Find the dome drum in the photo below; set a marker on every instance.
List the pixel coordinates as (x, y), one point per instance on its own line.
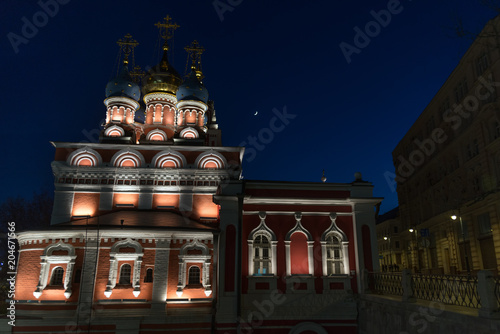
(121, 101)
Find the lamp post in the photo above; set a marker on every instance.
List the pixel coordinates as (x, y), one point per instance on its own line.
(415, 249)
(454, 217)
(390, 252)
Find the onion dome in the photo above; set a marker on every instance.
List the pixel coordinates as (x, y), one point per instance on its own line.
(123, 85)
(192, 89)
(162, 78)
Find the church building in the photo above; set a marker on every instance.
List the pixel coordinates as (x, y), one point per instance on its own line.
(154, 230)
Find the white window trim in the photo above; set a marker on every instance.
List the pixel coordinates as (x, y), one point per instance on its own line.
(115, 256)
(310, 243)
(204, 259)
(47, 259)
(262, 229)
(334, 229)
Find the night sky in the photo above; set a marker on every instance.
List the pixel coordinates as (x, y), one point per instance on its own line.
(260, 56)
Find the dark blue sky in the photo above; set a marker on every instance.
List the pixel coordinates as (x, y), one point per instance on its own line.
(263, 55)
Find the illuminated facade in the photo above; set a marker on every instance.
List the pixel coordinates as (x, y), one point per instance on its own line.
(448, 164)
(154, 231)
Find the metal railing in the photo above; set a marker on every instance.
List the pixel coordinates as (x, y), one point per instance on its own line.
(497, 289)
(385, 283)
(448, 289)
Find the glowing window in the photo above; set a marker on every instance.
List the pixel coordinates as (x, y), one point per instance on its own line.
(262, 259)
(334, 257)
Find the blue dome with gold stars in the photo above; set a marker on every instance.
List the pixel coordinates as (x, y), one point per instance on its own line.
(123, 85)
(192, 89)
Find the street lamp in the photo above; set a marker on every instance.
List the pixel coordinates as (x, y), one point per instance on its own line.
(390, 253)
(415, 249)
(454, 217)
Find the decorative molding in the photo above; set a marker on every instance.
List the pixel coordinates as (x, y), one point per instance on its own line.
(204, 259)
(264, 230)
(189, 130)
(114, 128)
(210, 156)
(157, 132)
(169, 155)
(192, 104)
(335, 231)
(84, 153)
(47, 259)
(121, 101)
(127, 154)
(300, 229)
(160, 97)
(115, 256)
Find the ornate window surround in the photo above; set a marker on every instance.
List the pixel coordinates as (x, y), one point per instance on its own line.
(335, 230)
(115, 256)
(47, 259)
(204, 259)
(310, 243)
(264, 230)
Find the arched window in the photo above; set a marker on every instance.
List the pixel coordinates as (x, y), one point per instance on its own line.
(194, 275)
(57, 277)
(335, 250)
(334, 257)
(125, 271)
(261, 260)
(60, 275)
(149, 276)
(262, 249)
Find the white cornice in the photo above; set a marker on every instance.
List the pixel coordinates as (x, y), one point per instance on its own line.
(160, 97)
(147, 147)
(121, 100)
(284, 185)
(192, 104)
(113, 233)
(291, 213)
(249, 199)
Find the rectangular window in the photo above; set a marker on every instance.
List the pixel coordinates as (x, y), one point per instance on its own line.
(430, 125)
(484, 223)
(461, 90)
(481, 64)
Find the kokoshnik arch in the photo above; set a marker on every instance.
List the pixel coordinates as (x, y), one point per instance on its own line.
(153, 228)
